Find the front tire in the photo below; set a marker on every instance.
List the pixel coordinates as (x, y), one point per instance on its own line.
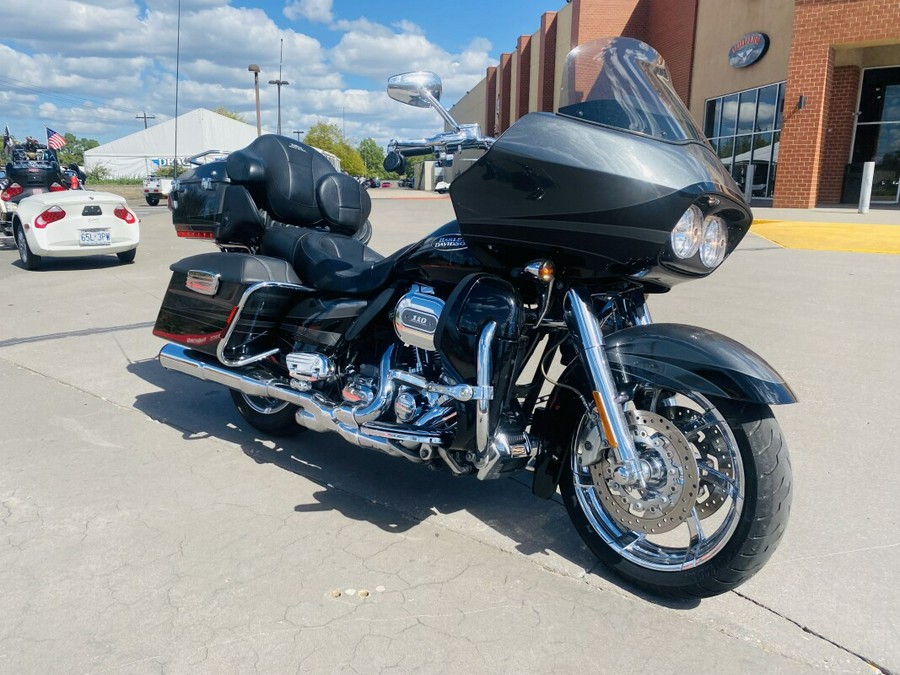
(716, 502)
(269, 415)
(29, 260)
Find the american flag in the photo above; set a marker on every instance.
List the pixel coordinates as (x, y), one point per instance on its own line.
(54, 140)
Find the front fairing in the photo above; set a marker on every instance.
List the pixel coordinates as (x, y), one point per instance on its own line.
(599, 186)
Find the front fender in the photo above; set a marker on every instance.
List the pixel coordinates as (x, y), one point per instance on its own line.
(688, 358)
(685, 358)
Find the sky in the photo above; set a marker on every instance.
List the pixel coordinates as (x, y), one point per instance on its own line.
(92, 68)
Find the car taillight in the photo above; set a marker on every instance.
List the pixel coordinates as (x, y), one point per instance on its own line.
(11, 191)
(124, 214)
(56, 187)
(51, 215)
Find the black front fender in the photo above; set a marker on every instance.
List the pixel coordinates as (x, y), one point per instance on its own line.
(688, 358)
(684, 358)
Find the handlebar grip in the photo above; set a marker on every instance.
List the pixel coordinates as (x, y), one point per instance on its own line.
(416, 152)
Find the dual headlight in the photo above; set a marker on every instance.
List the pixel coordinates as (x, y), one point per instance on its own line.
(695, 234)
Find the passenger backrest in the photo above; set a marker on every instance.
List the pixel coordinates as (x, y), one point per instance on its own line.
(344, 203)
(282, 175)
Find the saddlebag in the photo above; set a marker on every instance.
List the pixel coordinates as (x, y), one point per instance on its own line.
(226, 304)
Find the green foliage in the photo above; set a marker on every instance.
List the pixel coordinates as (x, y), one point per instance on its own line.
(222, 110)
(328, 137)
(73, 150)
(372, 155)
(98, 174)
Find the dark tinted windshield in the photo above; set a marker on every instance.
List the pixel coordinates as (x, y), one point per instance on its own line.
(624, 83)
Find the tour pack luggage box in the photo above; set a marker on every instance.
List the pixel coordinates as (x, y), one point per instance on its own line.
(207, 301)
(197, 200)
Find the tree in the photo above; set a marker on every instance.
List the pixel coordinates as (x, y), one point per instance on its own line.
(222, 110)
(372, 155)
(328, 137)
(74, 149)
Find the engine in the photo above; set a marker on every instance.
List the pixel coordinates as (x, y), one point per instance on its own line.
(416, 317)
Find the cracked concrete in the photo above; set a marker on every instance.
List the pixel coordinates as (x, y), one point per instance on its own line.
(144, 530)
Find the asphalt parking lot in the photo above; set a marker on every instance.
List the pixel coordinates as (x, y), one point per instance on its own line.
(145, 530)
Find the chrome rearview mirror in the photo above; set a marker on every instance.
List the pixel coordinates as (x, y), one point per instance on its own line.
(420, 88)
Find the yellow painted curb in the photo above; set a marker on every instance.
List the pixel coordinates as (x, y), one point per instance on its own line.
(854, 238)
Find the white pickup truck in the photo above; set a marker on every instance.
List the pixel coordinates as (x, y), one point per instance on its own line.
(156, 188)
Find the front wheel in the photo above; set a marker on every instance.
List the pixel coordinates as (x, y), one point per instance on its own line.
(716, 497)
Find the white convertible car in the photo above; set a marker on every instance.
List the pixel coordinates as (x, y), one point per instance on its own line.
(74, 223)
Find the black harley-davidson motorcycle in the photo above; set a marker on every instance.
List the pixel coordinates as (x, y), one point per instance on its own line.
(516, 337)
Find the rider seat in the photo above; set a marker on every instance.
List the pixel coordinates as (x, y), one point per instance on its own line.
(329, 261)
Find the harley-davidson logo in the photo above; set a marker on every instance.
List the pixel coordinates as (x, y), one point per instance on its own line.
(749, 49)
(449, 242)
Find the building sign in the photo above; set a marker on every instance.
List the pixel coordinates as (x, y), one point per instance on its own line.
(749, 49)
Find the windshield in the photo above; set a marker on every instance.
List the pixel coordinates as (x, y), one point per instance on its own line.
(624, 83)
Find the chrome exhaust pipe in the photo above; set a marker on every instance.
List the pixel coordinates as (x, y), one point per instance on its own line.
(314, 412)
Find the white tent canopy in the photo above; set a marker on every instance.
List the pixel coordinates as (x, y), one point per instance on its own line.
(143, 152)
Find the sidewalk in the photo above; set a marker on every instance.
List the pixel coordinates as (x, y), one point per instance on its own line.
(832, 228)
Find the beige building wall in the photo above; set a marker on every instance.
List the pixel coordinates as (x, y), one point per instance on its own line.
(470, 109)
(563, 47)
(513, 86)
(720, 23)
(533, 72)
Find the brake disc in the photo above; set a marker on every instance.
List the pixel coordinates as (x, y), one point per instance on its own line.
(714, 453)
(673, 478)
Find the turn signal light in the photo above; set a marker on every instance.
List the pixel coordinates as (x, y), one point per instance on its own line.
(123, 213)
(51, 215)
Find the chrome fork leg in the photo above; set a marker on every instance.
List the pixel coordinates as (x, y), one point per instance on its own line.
(589, 338)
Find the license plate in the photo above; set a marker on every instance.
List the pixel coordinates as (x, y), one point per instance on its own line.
(94, 237)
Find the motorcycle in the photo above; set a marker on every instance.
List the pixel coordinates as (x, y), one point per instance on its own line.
(516, 337)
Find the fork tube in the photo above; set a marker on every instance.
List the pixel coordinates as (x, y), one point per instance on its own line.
(589, 338)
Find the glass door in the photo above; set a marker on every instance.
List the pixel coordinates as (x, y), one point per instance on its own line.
(877, 137)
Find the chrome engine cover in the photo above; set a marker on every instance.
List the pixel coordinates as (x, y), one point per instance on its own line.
(416, 317)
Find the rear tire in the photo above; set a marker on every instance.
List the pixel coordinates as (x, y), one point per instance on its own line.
(734, 505)
(126, 257)
(152, 200)
(269, 415)
(29, 260)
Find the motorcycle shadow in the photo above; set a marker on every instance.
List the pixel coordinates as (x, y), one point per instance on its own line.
(388, 492)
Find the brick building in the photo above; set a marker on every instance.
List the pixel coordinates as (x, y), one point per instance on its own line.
(794, 96)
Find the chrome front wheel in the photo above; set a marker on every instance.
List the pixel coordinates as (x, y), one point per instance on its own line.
(713, 500)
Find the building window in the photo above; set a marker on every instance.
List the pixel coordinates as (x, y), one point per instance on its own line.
(877, 136)
(744, 129)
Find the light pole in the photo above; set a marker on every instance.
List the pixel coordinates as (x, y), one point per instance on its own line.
(298, 133)
(253, 68)
(280, 83)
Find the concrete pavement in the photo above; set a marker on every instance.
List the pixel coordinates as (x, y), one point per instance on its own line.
(145, 530)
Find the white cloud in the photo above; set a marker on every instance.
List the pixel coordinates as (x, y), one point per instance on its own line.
(100, 63)
(318, 11)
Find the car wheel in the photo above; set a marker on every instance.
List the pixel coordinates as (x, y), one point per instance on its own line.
(29, 259)
(152, 200)
(126, 257)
